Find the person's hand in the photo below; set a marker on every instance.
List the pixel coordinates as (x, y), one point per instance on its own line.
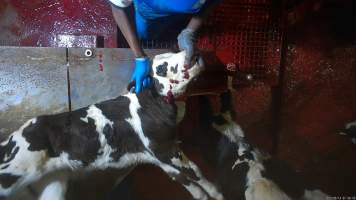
(186, 40)
(141, 74)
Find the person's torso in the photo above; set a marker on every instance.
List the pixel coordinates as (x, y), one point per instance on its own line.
(160, 8)
(175, 6)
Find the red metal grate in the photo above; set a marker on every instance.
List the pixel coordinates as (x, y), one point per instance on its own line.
(246, 36)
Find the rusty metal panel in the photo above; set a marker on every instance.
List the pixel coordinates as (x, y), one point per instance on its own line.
(100, 73)
(33, 81)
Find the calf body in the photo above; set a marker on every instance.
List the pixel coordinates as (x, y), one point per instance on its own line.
(118, 133)
(243, 171)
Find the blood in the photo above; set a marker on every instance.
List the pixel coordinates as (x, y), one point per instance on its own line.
(101, 65)
(173, 81)
(169, 98)
(185, 71)
(186, 75)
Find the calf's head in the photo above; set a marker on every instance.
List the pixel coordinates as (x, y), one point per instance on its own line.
(171, 77)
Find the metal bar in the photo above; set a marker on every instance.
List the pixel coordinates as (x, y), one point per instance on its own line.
(277, 91)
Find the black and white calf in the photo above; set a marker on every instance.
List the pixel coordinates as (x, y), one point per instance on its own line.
(243, 171)
(349, 131)
(118, 133)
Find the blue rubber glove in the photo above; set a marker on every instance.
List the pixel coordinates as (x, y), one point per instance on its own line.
(186, 40)
(141, 74)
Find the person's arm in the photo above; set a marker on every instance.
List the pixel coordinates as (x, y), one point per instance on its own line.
(186, 38)
(142, 68)
(126, 27)
(195, 23)
(197, 20)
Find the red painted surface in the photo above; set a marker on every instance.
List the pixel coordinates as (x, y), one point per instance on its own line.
(36, 23)
(319, 94)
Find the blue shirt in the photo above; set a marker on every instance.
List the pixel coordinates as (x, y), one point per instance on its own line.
(165, 7)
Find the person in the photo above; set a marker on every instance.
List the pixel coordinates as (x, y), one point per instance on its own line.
(159, 19)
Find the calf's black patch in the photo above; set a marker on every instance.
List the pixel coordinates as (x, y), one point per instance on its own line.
(68, 133)
(174, 69)
(220, 120)
(247, 154)
(64, 132)
(36, 135)
(161, 69)
(157, 85)
(284, 176)
(7, 180)
(157, 116)
(8, 151)
(6, 166)
(121, 136)
(232, 182)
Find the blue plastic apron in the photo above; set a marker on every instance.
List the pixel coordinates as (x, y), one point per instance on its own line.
(154, 15)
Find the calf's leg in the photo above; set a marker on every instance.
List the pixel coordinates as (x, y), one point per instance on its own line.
(181, 169)
(54, 191)
(177, 175)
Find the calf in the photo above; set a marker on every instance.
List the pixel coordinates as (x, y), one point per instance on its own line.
(243, 171)
(118, 133)
(349, 131)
